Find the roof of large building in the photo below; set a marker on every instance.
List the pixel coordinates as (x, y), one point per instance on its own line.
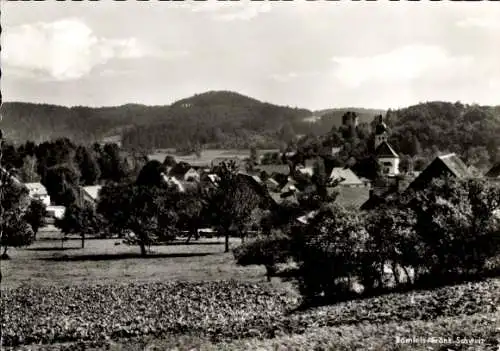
(385, 150)
(348, 176)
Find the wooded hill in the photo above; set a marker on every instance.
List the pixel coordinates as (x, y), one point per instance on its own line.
(224, 119)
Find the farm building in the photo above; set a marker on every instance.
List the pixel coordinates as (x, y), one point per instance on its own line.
(443, 166)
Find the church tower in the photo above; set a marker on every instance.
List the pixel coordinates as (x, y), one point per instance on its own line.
(381, 132)
(387, 158)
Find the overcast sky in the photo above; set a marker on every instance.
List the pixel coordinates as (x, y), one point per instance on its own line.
(309, 54)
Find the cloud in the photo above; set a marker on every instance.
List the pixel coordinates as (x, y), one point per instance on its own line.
(232, 11)
(65, 50)
(404, 64)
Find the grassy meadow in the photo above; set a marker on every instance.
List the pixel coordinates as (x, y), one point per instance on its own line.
(206, 155)
(57, 296)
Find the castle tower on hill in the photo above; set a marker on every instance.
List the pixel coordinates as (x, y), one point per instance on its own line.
(350, 119)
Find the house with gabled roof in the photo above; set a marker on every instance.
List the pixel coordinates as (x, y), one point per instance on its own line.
(192, 175)
(179, 170)
(346, 177)
(38, 192)
(449, 165)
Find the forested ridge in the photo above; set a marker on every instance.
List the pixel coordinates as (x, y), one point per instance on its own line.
(224, 119)
(472, 131)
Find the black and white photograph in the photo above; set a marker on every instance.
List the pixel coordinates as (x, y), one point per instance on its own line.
(250, 175)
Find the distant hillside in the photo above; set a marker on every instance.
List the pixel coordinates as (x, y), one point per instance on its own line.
(218, 119)
(39, 122)
(472, 131)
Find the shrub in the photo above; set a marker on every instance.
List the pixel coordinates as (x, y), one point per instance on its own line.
(264, 250)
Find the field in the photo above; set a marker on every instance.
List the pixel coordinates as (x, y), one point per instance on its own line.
(48, 262)
(193, 297)
(206, 155)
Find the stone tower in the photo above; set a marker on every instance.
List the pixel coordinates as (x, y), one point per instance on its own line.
(350, 119)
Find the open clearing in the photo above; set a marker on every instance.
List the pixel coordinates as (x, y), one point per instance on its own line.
(48, 262)
(193, 297)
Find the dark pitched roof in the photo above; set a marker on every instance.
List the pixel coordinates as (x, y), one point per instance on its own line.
(494, 172)
(272, 169)
(446, 165)
(455, 165)
(385, 150)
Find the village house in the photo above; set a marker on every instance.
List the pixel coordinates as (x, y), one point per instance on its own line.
(346, 177)
(443, 166)
(54, 212)
(38, 192)
(192, 175)
(449, 165)
(91, 193)
(182, 171)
